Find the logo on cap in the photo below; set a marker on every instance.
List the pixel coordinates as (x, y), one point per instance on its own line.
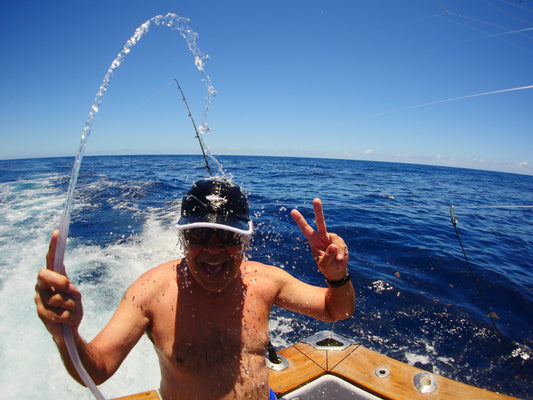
(215, 201)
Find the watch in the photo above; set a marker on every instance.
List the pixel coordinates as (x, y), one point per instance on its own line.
(340, 282)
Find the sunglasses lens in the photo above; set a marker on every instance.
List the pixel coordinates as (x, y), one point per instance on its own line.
(201, 236)
(229, 238)
(198, 235)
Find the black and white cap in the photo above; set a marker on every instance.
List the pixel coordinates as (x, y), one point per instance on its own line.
(215, 203)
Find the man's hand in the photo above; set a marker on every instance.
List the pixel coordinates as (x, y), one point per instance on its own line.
(58, 300)
(329, 249)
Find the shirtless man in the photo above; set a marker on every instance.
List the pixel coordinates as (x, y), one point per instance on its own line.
(206, 314)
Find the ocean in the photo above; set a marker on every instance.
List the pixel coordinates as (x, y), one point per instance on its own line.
(416, 299)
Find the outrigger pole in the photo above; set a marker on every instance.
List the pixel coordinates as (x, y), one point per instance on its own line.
(195, 130)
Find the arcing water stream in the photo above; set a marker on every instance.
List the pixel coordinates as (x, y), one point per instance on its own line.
(174, 22)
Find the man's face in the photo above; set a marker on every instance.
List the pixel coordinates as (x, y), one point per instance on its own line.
(213, 264)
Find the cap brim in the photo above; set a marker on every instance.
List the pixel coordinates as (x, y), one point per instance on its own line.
(233, 225)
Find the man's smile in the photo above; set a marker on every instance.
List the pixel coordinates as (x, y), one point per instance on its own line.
(214, 269)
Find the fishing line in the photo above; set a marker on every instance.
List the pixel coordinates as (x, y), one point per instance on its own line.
(489, 313)
(511, 32)
(195, 130)
(145, 102)
(503, 11)
(435, 207)
(500, 36)
(517, 6)
(488, 34)
(486, 23)
(448, 100)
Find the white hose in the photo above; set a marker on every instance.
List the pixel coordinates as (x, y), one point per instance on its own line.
(67, 330)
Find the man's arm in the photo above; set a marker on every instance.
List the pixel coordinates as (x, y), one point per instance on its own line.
(59, 302)
(326, 304)
(331, 254)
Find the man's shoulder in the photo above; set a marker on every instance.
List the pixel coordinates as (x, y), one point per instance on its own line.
(265, 280)
(265, 270)
(156, 278)
(167, 268)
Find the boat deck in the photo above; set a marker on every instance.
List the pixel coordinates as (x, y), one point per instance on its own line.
(378, 374)
(150, 395)
(375, 373)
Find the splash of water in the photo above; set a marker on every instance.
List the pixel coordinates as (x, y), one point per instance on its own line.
(173, 22)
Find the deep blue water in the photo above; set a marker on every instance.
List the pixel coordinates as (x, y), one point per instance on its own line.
(416, 300)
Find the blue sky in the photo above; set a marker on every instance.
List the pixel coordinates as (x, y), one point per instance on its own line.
(365, 80)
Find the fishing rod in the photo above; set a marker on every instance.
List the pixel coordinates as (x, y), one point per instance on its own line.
(195, 130)
(487, 309)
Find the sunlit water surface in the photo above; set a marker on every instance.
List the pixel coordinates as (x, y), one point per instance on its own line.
(416, 300)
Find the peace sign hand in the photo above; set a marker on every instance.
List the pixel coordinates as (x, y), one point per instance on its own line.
(329, 250)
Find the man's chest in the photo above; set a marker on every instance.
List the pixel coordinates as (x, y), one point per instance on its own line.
(205, 334)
